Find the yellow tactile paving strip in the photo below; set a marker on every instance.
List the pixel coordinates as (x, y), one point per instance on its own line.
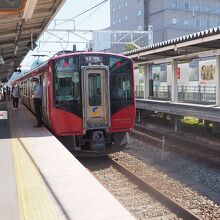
(35, 201)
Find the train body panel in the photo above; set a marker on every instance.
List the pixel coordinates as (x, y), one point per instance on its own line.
(65, 123)
(123, 120)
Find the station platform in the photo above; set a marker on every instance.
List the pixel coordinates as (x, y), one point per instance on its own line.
(41, 179)
(205, 112)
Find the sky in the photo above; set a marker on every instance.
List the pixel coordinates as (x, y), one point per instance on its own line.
(96, 19)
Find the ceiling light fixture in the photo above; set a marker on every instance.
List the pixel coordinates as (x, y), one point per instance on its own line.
(2, 60)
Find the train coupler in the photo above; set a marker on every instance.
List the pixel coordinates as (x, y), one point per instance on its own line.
(98, 141)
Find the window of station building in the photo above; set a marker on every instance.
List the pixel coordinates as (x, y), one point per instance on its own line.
(113, 22)
(187, 18)
(174, 4)
(198, 22)
(186, 22)
(126, 18)
(119, 7)
(208, 6)
(119, 20)
(140, 27)
(197, 5)
(208, 22)
(174, 20)
(125, 4)
(139, 12)
(113, 9)
(186, 6)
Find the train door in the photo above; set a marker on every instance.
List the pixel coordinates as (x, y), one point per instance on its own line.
(95, 97)
(45, 100)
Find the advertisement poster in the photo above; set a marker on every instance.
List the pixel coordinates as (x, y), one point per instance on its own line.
(207, 71)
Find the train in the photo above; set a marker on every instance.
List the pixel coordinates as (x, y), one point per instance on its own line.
(88, 98)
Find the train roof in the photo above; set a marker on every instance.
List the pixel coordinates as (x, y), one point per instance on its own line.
(86, 52)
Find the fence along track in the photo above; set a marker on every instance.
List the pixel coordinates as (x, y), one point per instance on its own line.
(206, 156)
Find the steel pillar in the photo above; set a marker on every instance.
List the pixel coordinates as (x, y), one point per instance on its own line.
(217, 80)
(174, 93)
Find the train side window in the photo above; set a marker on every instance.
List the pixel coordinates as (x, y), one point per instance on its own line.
(67, 80)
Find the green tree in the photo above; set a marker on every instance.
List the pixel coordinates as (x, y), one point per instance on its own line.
(130, 47)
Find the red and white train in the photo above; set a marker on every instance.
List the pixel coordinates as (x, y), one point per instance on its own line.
(88, 96)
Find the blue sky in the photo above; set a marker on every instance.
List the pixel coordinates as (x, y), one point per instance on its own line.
(100, 17)
(96, 19)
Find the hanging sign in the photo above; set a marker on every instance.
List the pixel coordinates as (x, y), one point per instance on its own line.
(10, 6)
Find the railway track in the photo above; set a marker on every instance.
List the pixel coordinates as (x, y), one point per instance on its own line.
(177, 209)
(182, 146)
(140, 197)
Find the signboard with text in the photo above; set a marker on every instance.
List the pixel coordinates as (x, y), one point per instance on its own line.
(3, 115)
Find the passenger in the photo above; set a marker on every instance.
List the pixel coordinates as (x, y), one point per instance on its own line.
(15, 96)
(4, 92)
(8, 92)
(1, 92)
(37, 98)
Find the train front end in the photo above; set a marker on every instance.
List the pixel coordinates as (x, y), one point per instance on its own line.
(94, 104)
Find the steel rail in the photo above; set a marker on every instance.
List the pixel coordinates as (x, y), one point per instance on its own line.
(179, 210)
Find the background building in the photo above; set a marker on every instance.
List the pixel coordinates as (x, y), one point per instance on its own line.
(169, 19)
(101, 41)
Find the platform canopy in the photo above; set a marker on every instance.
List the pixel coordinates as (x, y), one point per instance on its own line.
(184, 49)
(21, 24)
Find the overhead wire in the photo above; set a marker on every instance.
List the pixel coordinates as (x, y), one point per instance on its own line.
(87, 18)
(91, 14)
(81, 13)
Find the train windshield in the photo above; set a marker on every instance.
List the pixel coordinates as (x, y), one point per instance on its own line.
(121, 78)
(66, 80)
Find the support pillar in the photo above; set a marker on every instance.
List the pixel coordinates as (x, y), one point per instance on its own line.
(174, 92)
(147, 73)
(217, 74)
(216, 128)
(177, 124)
(138, 118)
(206, 125)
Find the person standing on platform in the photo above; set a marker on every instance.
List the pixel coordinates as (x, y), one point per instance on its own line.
(15, 96)
(1, 92)
(8, 92)
(37, 98)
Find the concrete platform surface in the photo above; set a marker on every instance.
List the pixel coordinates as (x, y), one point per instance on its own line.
(51, 182)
